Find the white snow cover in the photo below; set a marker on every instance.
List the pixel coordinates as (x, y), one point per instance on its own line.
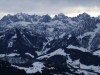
(44, 49)
(10, 21)
(2, 36)
(91, 67)
(56, 22)
(71, 22)
(30, 55)
(10, 44)
(69, 36)
(69, 60)
(85, 72)
(20, 16)
(10, 55)
(13, 54)
(45, 44)
(78, 48)
(15, 50)
(50, 29)
(85, 34)
(51, 68)
(57, 52)
(37, 67)
(22, 23)
(2, 55)
(15, 36)
(38, 53)
(97, 53)
(62, 35)
(50, 38)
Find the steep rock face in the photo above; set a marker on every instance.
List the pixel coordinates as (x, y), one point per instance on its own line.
(20, 41)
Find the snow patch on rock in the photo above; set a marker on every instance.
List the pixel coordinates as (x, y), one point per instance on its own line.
(78, 48)
(97, 53)
(29, 55)
(37, 67)
(57, 52)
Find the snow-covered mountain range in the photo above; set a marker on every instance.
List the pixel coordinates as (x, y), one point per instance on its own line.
(59, 45)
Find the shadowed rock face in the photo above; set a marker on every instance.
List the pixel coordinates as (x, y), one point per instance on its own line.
(20, 41)
(7, 69)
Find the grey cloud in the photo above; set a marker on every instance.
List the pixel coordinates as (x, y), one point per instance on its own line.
(48, 6)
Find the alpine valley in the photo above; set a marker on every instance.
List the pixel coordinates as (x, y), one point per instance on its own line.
(41, 45)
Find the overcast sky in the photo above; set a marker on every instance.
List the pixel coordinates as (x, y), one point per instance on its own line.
(51, 7)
